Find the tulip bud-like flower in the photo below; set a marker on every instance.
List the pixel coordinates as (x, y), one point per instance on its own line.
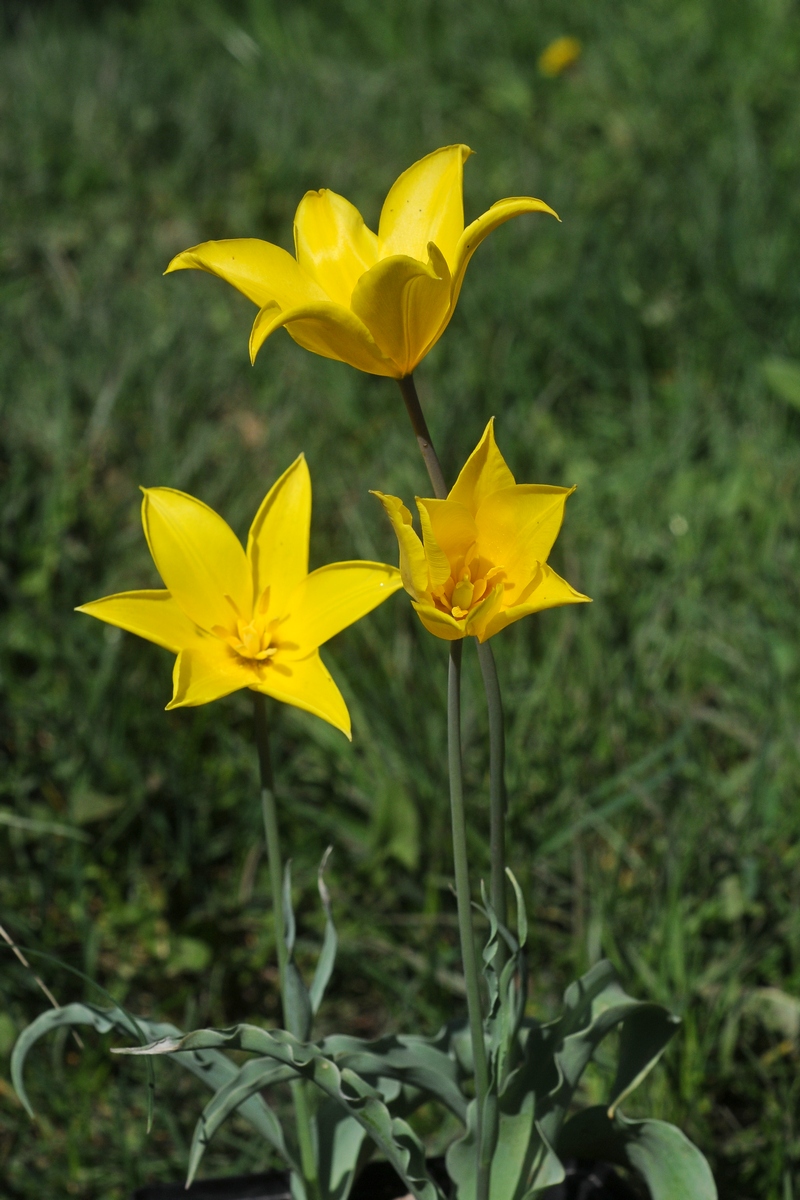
(377, 301)
(246, 619)
(482, 560)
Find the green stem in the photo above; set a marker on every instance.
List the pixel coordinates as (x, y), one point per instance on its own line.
(497, 784)
(463, 896)
(420, 427)
(464, 902)
(490, 682)
(305, 1141)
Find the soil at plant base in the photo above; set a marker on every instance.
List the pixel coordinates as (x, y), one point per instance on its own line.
(379, 1181)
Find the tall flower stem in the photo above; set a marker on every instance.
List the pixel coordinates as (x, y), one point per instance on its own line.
(269, 812)
(497, 748)
(497, 783)
(420, 427)
(464, 902)
(497, 797)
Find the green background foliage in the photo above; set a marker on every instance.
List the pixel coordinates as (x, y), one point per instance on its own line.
(644, 349)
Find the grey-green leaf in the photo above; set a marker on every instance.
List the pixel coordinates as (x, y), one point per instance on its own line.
(392, 1135)
(643, 1038)
(212, 1067)
(672, 1167)
(327, 955)
(340, 1147)
(413, 1061)
(288, 909)
(246, 1082)
(298, 1015)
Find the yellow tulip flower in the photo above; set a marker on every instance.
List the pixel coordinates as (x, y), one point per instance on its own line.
(378, 302)
(561, 54)
(253, 619)
(482, 560)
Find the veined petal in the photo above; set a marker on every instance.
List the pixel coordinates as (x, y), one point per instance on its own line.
(151, 614)
(306, 683)
(403, 301)
(439, 567)
(203, 675)
(333, 597)
(550, 591)
(473, 235)
(327, 329)
(198, 556)
(264, 273)
(413, 563)
(277, 545)
(332, 243)
(484, 472)
(439, 623)
(451, 527)
(426, 204)
(517, 528)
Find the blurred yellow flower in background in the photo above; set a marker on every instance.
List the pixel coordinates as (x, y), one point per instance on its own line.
(251, 619)
(377, 301)
(482, 560)
(561, 54)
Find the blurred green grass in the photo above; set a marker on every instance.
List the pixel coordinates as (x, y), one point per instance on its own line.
(653, 742)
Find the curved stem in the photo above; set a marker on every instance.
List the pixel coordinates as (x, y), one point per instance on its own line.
(420, 427)
(269, 812)
(464, 902)
(497, 783)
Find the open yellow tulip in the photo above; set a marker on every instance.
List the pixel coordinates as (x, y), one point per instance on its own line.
(482, 561)
(379, 302)
(251, 619)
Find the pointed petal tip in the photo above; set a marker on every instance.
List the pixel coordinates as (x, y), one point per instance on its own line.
(466, 150)
(537, 205)
(179, 263)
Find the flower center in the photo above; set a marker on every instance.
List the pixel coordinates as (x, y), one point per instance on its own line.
(255, 640)
(471, 579)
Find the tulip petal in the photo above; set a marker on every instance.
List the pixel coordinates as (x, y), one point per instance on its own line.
(333, 597)
(264, 273)
(484, 472)
(439, 568)
(198, 556)
(333, 245)
(449, 530)
(413, 563)
(426, 204)
(439, 623)
(517, 528)
(306, 683)
(327, 329)
(550, 591)
(403, 302)
(479, 617)
(204, 674)
(277, 545)
(473, 235)
(153, 615)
